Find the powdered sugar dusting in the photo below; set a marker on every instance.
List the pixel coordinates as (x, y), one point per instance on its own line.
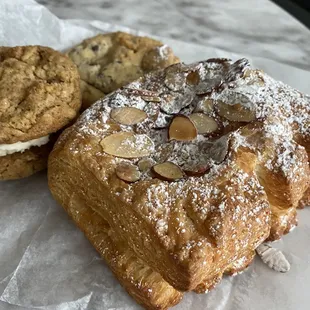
(283, 111)
(163, 51)
(219, 199)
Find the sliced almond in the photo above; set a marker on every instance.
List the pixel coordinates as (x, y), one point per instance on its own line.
(112, 125)
(173, 103)
(145, 164)
(248, 73)
(192, 67)
(127, 172)
(219, 149)
(152, 110)
(255, 77)
(127, 145)
(168, 171)
(175, 68)
(151, 99)
(175, 80)
(128, 115)
(204, 123)
(259, 81)
(203, 88)
(140, 92)
(182, 129)
(207, 105)
(193, 78)
(236, 112)
(197, 171)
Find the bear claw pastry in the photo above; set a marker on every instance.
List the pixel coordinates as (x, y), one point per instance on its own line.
(191, 204)
(39, 94)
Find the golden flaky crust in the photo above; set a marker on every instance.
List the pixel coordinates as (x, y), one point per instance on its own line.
(39, 92)
(204, 250)
(284, 173)
(108, 61)
(146, 286)
(218, 196)
(305, 201)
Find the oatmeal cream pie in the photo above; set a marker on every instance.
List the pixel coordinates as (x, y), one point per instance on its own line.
(39, 94)
(108, 61)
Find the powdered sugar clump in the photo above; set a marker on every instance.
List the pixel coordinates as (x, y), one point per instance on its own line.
(163, 51)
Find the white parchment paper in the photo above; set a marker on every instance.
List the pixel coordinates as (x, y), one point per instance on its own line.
(47, 263)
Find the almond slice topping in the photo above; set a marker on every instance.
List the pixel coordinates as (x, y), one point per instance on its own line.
(193, 78)
(219, 149)
(175, 80)
(127, 145)
(174, 103)
(151, 98)
(256, 77)
(207, 106)
(182, 129)
(128, 115)
(236, 112)
(168, 171)
(127, 172)
(145, 164)
(197, 171)
(204, 123)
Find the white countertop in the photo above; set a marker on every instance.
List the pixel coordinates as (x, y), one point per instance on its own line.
(251, 27)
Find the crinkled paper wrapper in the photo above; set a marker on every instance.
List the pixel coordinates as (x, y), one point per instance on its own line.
(47, 263)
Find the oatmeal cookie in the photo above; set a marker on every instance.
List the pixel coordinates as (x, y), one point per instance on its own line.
(107, 62)
(39, 94)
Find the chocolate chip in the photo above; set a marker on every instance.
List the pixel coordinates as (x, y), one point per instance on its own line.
(95, 48)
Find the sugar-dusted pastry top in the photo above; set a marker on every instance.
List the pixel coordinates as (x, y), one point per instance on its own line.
(192, 166)
(185, 125)
(182, 118)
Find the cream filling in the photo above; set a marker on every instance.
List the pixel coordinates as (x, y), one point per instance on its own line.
(6, 149)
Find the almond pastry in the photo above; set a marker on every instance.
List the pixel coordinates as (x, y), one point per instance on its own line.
(202, 203)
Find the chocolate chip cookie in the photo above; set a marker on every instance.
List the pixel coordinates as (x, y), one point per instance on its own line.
(108, 61)
(39, 94)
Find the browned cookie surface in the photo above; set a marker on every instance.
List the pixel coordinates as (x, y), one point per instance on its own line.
(39, 92)
(108, 61)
